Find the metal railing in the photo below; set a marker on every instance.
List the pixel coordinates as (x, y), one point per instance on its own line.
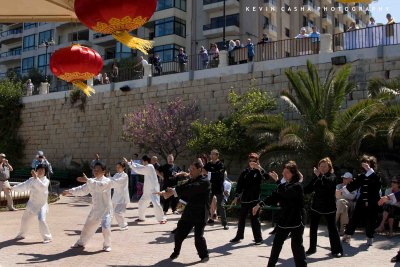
(22, 197)
(220, 24)
(11, 32)
(15, 52)
(367, 37)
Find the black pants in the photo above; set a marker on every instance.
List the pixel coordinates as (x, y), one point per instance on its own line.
(245, 209)
(171, 201)
(297, 246)
(220, 207)
(133, 179)
(334, 238)
(182, 231)
(368, 214)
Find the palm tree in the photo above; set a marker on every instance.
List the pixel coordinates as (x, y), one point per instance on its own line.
(324, 128)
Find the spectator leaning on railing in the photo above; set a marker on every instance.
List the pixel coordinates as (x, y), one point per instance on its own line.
(315, 39)
(5, 169)
(182, 60)
(214, 55)
(203, 55)
(302, 33)
(250, 50)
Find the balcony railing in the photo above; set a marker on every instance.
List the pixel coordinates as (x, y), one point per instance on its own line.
(367, 37)
(11, 32)
(207, 2)
(220, 25)
(15, 52)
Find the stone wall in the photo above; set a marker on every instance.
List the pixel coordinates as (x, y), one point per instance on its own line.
(64, 132)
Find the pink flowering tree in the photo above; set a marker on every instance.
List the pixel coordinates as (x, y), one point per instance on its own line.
(161, 130)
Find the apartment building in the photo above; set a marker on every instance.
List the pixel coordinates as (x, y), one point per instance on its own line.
(180, 23)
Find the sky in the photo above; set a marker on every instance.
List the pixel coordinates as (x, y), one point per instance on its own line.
(392, 5)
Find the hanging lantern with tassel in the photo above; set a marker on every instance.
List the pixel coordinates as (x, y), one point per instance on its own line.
(75, 64)
(117, 17)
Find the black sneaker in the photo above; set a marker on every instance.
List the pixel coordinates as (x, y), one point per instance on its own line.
(396, 258)
(205, 259)
(235, 240)
(210, 221)
(174, 255)
(337, 255)
(273, 232)
(226, 227)
(310, 251)
(173, 231)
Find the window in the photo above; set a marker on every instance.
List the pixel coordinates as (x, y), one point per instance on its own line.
(43, 62)
(167, 52)
(28, 64)
(170, 26)
(218, 22)
(287, 8)
(28, 26)
(45, 36)
(122, 51)
(29, 42)
(166, 4)
(287, 32)
(305, 21)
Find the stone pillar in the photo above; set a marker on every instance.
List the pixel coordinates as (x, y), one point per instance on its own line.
(44, 88)
(326, 43)
(147, 71)
(223, 58)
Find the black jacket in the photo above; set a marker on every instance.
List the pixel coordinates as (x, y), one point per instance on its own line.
(217, 170)
(197, 195)
(169, 179)
(290, 196)
(369, 189)
(248, 187)
(324, 199)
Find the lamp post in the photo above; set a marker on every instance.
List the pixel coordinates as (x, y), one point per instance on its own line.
(46, 44)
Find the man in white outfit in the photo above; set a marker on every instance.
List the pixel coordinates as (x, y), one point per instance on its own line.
(120, 197)
(37, 205)
(150, 187)
(101, 212)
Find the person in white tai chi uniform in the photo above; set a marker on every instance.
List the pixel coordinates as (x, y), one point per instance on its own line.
(101, 212)
(37, 205)
(150, 187)
(120, 197)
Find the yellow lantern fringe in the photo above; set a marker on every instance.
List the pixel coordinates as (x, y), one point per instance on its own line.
(133, 42)
(86, 89)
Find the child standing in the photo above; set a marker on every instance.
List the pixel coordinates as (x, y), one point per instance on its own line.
(120, 197)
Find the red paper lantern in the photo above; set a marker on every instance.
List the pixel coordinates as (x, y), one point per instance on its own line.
(75, 64)
(117, 17)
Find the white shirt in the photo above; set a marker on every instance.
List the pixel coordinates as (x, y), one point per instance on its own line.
(227, 187)
(100, 189)
(39, 192)
(134, 161)
(151, 184)
(120, 185)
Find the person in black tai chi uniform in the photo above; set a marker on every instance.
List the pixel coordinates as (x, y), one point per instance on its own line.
(248, 190)
(324, 204)
(366, 208)
(291, 198)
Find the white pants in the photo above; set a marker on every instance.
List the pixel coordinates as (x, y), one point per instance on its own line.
(26, 222)
(144, 202)
(119, 211)
(5, 186)
(90, 227)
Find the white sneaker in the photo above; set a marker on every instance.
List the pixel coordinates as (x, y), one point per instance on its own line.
(107, 249)
(46, 241)
(77, 245)
(370, 241)
(124, 228)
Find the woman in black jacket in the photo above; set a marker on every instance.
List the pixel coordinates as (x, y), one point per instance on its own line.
(324, 204)
(291, 198)
(366, 210)
(248, 190)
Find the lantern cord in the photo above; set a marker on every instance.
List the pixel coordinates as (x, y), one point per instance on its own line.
(86, 89)
(133, 42)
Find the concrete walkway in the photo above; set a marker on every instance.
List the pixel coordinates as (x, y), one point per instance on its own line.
(150, 244)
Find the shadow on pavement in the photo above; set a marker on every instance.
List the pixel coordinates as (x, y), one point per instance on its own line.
(73, 252)
(13, 242)
(166, 262)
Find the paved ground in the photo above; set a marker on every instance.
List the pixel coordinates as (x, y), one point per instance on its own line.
(150, 244)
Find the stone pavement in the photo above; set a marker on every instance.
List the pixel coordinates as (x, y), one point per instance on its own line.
(150, 244)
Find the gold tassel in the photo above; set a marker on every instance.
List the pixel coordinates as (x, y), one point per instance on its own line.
(86, 89)
(133, 42)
